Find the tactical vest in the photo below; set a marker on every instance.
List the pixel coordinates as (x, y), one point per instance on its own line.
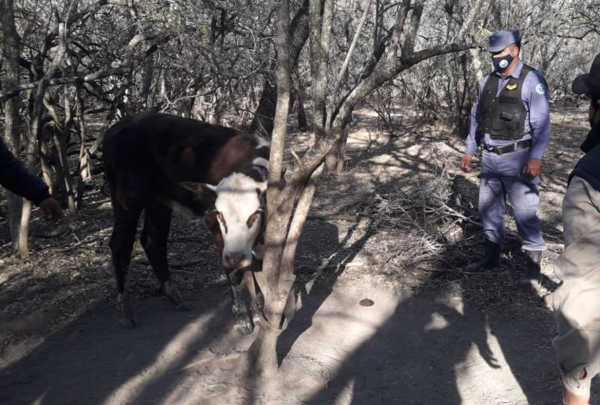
(503, 116)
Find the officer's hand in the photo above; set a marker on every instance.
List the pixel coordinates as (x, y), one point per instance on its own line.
(532, 169)
(51, 209)
(465, 163)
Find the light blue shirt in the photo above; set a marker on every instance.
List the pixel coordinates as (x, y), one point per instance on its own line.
(534, 95)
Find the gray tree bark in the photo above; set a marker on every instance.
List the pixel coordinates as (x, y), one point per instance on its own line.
(12, 51)
(277, 276)
(265, 112)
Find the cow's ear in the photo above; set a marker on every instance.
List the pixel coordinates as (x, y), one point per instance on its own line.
(199, 188)
(261, 188)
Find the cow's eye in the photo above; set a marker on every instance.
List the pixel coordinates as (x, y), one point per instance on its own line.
(221, 219)
(252, 218)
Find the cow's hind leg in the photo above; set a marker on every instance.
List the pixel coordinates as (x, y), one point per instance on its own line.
(121, 244)
(155, 233)
(243, 322)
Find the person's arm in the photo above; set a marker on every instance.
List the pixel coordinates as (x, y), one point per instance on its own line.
(593, 137)
(539, 114)
(15, 178)
(536, 97)
(474, 137)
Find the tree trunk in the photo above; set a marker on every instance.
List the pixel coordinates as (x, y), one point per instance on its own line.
(277, 277)
(302, 120)
(84, 172)
(147, 79)
(60, 137)
(12, 46)
(263, 355)
(263, 118)
(63, 173)
(334, 161)
(288, 201)
(464, 102)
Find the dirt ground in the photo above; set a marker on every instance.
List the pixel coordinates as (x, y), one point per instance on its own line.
(378, 231)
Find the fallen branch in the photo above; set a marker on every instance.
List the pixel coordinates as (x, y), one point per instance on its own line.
(87, 240)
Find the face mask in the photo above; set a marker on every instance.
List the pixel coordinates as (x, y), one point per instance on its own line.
(500, 64)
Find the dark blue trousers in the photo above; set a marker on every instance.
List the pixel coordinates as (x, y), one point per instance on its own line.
(502, 179)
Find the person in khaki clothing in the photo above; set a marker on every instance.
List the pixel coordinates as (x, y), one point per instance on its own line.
(577, 300)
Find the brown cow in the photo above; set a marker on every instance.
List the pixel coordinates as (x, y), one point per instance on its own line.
(159, 163)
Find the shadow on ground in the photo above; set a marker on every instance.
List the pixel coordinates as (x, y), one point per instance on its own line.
(429, 338)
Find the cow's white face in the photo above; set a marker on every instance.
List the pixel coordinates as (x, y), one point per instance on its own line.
(240, 217)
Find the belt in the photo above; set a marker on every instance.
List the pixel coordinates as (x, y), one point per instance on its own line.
(501, 150)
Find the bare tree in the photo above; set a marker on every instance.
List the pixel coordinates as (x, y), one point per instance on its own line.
(289, 200)
(265, 111)
(53, 58)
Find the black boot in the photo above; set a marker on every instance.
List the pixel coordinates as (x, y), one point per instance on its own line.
(533, 273)
(490, 261)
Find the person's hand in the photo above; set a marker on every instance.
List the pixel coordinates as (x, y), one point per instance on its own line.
(465, 163)
(532, 169)
(51, 209)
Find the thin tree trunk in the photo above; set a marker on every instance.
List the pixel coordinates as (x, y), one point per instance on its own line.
(288, 201)
(335, 160)
(12, 50)
(263, 118)
(302, 120)
(278, 274)
(463, 102)
(84, 167)
(61, 163)
(24, 229)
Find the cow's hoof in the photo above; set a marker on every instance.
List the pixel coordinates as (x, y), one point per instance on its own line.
(244, 328)
(128, 323)
(183, 306)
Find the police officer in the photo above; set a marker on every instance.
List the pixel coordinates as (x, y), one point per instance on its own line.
(511, 122)
(576, 303)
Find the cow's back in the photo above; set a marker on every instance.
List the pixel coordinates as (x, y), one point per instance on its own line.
(147, 156)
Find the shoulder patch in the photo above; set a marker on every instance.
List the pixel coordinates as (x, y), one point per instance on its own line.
(539, 89)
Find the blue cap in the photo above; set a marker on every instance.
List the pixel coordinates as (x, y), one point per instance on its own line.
(501, 39)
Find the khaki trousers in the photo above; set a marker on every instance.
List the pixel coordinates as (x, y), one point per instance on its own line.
(577, 300)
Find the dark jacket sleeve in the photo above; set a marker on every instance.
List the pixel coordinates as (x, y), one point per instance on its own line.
(592, 139)
(15, 178)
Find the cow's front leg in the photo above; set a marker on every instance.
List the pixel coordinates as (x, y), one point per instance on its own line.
(257, 301)
(243, 322)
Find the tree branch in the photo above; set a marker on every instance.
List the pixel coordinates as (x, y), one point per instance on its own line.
(84, 78)
(336, 88)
